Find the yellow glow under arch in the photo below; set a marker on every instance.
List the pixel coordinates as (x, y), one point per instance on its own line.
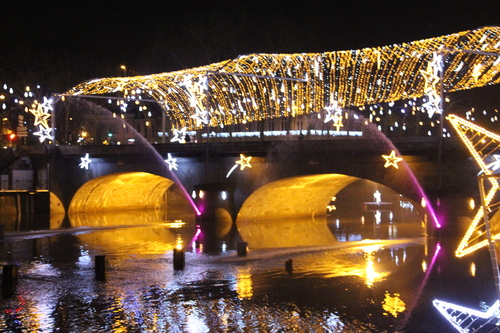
(290, 212)
(121, 191)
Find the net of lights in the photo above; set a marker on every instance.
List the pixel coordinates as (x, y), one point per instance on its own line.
(255, 87)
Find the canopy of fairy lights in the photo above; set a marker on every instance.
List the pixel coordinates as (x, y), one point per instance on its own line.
(263, 86)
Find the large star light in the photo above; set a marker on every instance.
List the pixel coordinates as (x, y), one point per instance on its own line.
(179, 135)
(431, 85)
(41, 117)
(391, 160)
(84, 164)
(482, 144)
(44, 133)
(171, 162)
(243, 162)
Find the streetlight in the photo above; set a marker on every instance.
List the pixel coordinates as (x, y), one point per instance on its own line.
(124, 70)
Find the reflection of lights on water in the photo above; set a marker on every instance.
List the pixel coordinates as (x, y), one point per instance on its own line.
(195, 322)
(406, 205)
(472, 204)
(176, 224)
(390, 216)
(337, 223)
(473, 269)
(424, 266)
(84, 259)
(179, 243)
(423, 203)
(370, 273)
(393, 231)
(393, 304)
(378, 216)
(244, 287)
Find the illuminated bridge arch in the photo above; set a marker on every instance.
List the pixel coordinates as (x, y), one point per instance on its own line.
(119, 193)
(264, 86)
(293, 211)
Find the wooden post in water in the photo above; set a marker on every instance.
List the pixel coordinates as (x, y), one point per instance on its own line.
(179, 259)
(241, 249)
(100, 268)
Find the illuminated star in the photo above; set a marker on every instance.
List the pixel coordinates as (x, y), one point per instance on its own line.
(179, 135)
(84, 164)
(171, 162)
(391, 159)
(47, 105)
(432, 105)
(200, 117)
(41, 117)
(477, 140)
(244, 161)
(44, 133)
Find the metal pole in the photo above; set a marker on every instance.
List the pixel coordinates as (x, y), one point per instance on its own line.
(491, 244)
(441, 122)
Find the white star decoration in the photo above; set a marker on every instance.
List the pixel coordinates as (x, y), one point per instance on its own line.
(171, 162)
(391, 159)
(44, 133)
(431, 85)
(179, 135)
(84, 164)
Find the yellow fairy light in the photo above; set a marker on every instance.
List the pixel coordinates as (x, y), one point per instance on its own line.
(481, 144)
(256, 87)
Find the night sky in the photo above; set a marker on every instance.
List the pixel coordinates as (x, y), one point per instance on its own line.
(60, 44)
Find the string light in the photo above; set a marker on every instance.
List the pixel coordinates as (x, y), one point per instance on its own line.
(481, 144)
(243, 89)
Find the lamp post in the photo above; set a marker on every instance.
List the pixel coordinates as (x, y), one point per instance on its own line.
(124, 70)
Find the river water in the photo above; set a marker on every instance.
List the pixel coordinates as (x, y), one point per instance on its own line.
(382, 284)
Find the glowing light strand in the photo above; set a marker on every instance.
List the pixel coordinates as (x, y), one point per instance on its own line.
(476, 139)
(352, 77)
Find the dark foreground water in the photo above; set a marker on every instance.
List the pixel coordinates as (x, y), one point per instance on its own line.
(383, 285)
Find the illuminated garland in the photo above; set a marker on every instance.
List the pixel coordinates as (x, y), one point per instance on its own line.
(257, 86)
(466, 319)
(482, 145)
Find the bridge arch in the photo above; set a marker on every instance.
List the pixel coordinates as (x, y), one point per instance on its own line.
(293, 211)
(158, 199)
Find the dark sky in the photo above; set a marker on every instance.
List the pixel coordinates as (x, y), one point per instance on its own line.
(60, 44)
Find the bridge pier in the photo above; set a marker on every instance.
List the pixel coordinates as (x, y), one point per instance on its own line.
(216, 204)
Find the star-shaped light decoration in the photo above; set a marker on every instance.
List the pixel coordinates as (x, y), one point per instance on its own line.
(171, 162)
(391, 160)
(201, 117)
(431, 85)
(84, 164)
(179, 135)
(482, 145)
(243, 162)
(44, 133)
(334, 113)
(41, 117)
(47, 105)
